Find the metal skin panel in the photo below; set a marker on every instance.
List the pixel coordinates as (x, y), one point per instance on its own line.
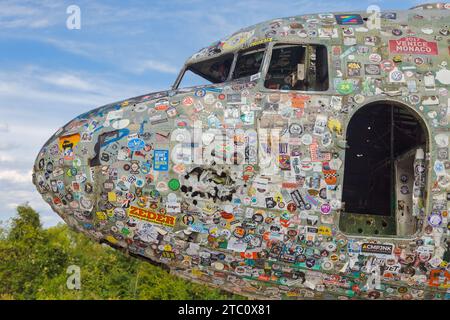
(268, 229)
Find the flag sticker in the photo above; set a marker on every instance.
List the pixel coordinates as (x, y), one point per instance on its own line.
(349, 19)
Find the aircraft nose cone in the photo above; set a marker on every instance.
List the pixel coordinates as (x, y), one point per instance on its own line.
(59, 172)
(46, 170)
(76, 171)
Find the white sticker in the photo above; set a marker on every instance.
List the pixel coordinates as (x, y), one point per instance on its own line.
(441, 140)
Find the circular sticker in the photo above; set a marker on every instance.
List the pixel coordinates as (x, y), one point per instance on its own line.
(387, 65)
(327, 265)
(441, 140)
(200, 93)
(291, 207)
(307, 139)
(404, 190)
(375, 58)
(174, 184)
(419, 61)
(359, 98)
(330, 247)
(435, 219)
(295, 129)
(325, 208)
(209, 98)
(414, 99)
(396, 75)
(397, 32)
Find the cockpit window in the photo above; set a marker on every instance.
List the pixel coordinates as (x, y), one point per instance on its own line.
(191, 79)
(298, 67)
(208, 72)
(249, 62)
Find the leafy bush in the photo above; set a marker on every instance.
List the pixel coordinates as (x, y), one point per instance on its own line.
(34, 261)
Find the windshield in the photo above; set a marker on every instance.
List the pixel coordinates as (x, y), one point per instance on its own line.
(217, 70)
(207, 72)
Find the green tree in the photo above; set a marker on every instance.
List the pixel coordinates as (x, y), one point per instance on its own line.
(34, 261)
(26, 258)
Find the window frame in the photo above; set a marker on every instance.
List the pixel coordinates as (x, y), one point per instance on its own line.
(428, 151)
(268, 58)
(185, 68)
(248, 50)
(236, 54)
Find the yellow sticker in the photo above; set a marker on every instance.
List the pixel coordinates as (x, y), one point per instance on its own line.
(111, 239)
(101, 215)
(112, 197)
(326, 231)
(151, 216)
(196, 272)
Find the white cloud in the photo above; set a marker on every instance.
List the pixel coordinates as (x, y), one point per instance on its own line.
(80, 48)
(17, 14)
(33, 86)
(6, 158)
(154, 65)
(4, 127)
(66, 80)
(15, 176)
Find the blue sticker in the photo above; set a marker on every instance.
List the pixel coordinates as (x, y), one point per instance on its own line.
(136, 144)
(118, 135)
(161, 160)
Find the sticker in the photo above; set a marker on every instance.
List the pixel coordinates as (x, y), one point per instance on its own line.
(443, 76)
(435, 220)
(161, 160)
(439, 168)
(325, 208)
(349, 19)
(136, 144)
(387, 65)
(67, 145)
(396, 76)
(441, 140)
(354, 69)
(413, 45)
(152, 217)
(375, 58)
(345, 87)
(376, 249)
(372, 69)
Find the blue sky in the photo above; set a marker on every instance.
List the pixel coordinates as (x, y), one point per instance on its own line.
(50, 74)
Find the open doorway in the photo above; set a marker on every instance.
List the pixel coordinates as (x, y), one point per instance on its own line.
(383, 142)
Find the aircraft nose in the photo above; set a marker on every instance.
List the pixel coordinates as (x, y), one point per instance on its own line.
(44, 171)
(55, 168)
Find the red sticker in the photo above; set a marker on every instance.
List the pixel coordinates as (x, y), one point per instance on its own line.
(413, 45)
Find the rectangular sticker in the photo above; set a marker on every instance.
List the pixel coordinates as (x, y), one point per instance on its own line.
(349, 19)
(413, 45)
(376, 249)
(161, 160)
(151, 216)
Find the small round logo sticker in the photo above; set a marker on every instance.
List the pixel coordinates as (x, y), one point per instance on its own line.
(325, 208)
